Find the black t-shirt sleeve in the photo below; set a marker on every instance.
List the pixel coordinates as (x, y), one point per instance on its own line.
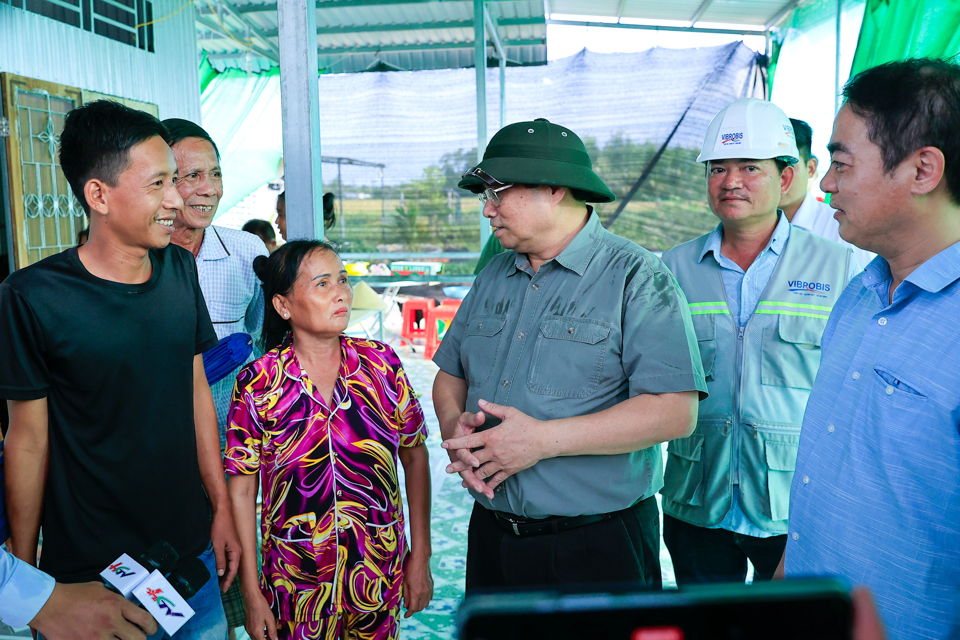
(206, 336)
(24, 374)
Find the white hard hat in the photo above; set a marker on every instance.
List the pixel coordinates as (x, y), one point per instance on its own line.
(750, 128)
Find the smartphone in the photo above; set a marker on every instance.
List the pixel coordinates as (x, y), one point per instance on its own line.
(802, 609)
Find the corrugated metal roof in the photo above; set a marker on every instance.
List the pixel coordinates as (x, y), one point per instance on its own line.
(356, 35)
(759, 13)
(360, 35)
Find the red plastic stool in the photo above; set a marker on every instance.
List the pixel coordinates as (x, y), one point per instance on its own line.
(451, 302)
(438, 321)
(411, 331)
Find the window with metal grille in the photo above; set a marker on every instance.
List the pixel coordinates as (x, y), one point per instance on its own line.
(118, 20)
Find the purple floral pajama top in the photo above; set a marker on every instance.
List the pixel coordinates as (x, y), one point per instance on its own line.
(332, 522)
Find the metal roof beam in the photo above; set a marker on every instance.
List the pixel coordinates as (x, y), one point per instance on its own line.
(340, 4)
(385, 28)
(433, 46)
(493, 34)
(700, 11)
(623, 3)
(360, 163)
(780, 15)
(656, 27)
(229, 56)
(216, 28)
(232, 10)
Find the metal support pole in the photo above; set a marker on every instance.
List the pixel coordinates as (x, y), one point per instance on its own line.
(503, 92)
(480, 61)
(300, 112)
(836, 69)
(343, 224)
(383, 201)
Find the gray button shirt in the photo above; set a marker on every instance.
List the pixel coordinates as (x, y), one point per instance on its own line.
(602, 322)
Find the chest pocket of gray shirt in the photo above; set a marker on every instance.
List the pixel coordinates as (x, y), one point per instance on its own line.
(568, 357)
(478, 350)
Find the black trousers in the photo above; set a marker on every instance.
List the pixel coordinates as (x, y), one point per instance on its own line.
(716, 555)
(623, 548)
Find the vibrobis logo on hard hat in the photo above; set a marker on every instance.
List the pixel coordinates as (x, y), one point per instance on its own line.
(752, 129)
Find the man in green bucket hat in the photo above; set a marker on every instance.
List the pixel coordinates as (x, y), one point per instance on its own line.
(571, 359)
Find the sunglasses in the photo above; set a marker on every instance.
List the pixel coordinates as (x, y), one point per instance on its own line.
(494, 186)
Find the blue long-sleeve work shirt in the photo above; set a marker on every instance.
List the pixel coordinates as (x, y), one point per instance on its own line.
(23, 590)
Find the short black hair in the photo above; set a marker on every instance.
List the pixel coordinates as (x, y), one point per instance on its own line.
(278, 273)
(804, 137)
(260, 228)
(180, 129)
(96, 141)
(908, 105)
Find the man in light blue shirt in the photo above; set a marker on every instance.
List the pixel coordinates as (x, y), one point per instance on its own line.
(58, 611)
(876, 495)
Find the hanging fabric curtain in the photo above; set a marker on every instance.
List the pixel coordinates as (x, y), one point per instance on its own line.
(900, 29)
(807, 64)
(242, 114)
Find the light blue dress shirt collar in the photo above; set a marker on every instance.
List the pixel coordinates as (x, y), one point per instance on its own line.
(932, 276)
(745, 288)
(777, 241)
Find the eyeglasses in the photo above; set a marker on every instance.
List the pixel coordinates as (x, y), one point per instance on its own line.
(492, 195)
(494, 186)
(192, 180)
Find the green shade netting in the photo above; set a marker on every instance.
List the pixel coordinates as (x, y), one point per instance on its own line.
(900, 29)
(242, 113)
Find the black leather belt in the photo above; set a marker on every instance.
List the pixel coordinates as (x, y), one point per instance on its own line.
(520, 526)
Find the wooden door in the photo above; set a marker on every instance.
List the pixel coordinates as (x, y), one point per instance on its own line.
(45, 215)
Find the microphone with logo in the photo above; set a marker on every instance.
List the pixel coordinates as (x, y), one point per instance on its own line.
(166, 597)
(125, 573)
(144, 580)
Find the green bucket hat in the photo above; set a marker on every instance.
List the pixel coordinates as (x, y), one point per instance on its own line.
(539, 152)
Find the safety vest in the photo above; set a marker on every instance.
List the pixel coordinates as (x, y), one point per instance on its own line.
(758, 376)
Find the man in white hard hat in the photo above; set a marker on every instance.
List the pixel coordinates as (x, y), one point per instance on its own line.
(802, 208)
(759, 292)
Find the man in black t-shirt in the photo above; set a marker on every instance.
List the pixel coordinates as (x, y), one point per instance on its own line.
(113, 436)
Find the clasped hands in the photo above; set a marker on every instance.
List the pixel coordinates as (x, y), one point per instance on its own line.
(484, 459)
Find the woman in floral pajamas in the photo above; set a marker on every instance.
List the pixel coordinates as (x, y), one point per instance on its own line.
(321, 420)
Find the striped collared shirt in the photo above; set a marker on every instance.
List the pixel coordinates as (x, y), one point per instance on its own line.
(233, 295)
